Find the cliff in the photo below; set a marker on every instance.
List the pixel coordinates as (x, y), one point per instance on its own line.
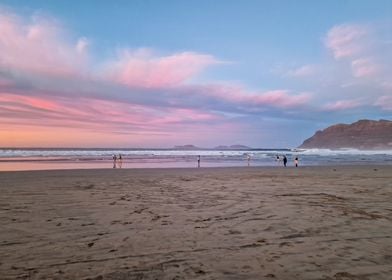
(363, 135)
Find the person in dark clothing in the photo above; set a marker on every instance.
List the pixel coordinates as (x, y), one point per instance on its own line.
(285, 160)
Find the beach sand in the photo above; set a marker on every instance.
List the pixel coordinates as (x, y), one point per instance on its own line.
(215, 223)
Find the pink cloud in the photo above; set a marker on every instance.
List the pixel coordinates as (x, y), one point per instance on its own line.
(364, 48)
(99, 115)
(146, 117)
(281, 99)
(364, 67)
(34, 102)
(346, 40)
(384, 102)
(38, 46)
(251, 100)
(142, 69)
(186, 116)
(343, 105)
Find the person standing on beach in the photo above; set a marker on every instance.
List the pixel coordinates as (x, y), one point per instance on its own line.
(284, 161)
(119, 161)
(296, 161)
(248, 157)
(198, 161)
(114, 161)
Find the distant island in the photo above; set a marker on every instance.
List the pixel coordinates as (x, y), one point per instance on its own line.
(362, 135)
(232, 147)
(187, 147)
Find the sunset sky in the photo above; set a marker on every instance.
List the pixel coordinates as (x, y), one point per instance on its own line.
(266, 74)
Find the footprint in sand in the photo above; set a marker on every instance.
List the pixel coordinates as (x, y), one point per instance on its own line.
(155, 218)
(234, 231)
(287, 244)
(347, 276)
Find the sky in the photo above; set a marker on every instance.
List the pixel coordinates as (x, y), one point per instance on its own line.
(266, 74)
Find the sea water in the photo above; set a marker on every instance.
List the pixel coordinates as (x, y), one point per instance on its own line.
(71, 158)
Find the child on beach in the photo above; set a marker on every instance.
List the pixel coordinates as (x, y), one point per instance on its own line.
(296, 161)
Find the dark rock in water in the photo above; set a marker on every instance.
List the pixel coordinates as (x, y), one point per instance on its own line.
(362, 135)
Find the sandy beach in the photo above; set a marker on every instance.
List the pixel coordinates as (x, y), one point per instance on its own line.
(208, 223)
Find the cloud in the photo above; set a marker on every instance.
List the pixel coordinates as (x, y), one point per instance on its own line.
(38, 46)
(364, 47)
(82, 45)
(275, 98)
(384, 102)
(141, 68)
(360, 71)
(342, 105)
(47, 80)
(346, 40)
(303, 71)
(364, 67)
(54, 68)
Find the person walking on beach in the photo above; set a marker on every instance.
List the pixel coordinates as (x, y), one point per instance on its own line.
(278, 159)
(248, 157)
(114, 161)
(296, 161)
(198, 161)
(119, 161)
(284, 161)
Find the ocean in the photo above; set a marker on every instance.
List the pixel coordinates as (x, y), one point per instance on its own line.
(71, 158)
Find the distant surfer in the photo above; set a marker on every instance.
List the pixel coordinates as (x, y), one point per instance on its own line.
(198, 161)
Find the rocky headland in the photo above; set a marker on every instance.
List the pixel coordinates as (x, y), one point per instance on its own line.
(362, 135)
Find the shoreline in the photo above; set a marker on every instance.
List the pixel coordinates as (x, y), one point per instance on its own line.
(43, 165)
(245, 167)
(313, 222)
(91, 159)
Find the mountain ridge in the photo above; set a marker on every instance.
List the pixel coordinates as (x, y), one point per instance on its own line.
(363, 135)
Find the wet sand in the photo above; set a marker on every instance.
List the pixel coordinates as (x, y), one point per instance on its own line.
(215, 223)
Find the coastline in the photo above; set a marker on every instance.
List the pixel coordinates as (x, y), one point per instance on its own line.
(313, 222)
(44, 159)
